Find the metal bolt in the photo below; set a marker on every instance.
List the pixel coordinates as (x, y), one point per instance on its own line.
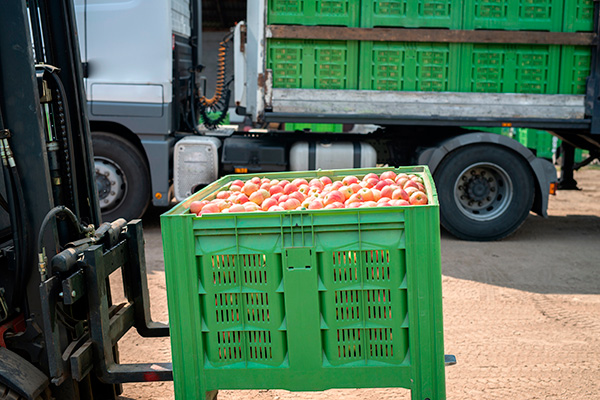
(106, 173)
(473, 173)
(492, 189)
(471, 202)
(113, 183)
(112, 193)
(464, 178)
(460, 187)
(105, 201)
(463, 197)
(480, 204)
(97, 171)
(489, 199)
(73, 293)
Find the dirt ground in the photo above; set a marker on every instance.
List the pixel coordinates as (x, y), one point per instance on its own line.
(521, 315)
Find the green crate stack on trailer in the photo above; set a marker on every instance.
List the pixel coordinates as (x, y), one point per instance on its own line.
(466, 67)
(331, 128)
(306, 300)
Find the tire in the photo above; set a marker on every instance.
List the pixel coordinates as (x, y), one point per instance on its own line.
(122, 177)
(7, 394)
(485, 192)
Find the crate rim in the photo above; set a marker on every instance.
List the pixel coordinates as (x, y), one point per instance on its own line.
(182, 208)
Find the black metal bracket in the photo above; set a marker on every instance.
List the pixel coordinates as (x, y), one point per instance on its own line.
(108, 324)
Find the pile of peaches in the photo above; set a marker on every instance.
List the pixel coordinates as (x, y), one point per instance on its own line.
(256, 194)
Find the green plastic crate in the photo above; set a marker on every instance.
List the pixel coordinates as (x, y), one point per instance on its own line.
(502, 68)
(538, 15)
(411, 13)
(314, 12)
(306, 300)
(575, 69)
(331, 128)
(409, 66)
(310, 64)
(579, 16)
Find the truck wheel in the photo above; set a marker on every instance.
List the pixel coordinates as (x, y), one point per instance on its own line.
(485, 192)
(122, 177)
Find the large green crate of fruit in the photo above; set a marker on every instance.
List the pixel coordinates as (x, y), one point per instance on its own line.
(412, 13)
(306, 300)
(314, 12)
(313, 64)
(575, 69)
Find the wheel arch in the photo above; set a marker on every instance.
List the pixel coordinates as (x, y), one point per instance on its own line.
(543, 170)
(124, 132)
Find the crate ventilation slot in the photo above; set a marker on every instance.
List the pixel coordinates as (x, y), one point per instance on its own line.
(349, 343)
(224, 271)
(255, 268)
(259, 343)
(230, 345)
(377, 265)
(380, 343)
(227, 307)
(257, 309)
(347, 304)
(379, 304)
(345, 266)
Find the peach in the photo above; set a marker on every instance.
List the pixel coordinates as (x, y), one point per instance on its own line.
(355, 187)
(291, 204)
(348, 180)
(410, 183)
(316, 204)
(256, 180)
(196, 206)
(400, 194)
(334, 196)
(371, 182)
(275, 189)
(387, 192)
(268, 203)
(289, 188)
(316, 183)
(384, 200)
(365, 194)
(276, 208)
(235, 188)
(300, 181)
(257, 197)
(249, 188)
(418, 198)
(370, 176)
(210, 208)
(250, 206)
(298, 196)
(411, 190)
(242, 198)
(388, 175)
(237, 182)
(336, 185)
(346, 191)
(237, 208)
(326, 180)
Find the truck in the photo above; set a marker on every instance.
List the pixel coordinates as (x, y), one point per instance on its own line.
(422, 74)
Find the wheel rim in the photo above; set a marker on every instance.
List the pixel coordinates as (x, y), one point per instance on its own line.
(110, 182)
(483, 191)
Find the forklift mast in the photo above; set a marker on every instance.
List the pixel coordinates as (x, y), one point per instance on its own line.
(58, 326)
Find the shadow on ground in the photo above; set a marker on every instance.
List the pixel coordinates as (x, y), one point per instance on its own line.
(558, 255)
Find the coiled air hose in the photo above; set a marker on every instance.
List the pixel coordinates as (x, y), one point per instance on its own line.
(213, 111)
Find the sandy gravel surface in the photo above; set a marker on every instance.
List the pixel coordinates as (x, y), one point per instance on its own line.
(522, 315)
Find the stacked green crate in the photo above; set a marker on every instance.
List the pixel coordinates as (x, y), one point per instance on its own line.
(409, 66)
(313, 64)
(313, 12)
(499, 68)
(401, 66)
(411, 14)
(330, 128)
(532, 15)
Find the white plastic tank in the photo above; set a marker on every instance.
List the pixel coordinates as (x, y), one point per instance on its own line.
(306, 156)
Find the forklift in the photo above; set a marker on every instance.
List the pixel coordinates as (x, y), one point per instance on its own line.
(59, 328)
